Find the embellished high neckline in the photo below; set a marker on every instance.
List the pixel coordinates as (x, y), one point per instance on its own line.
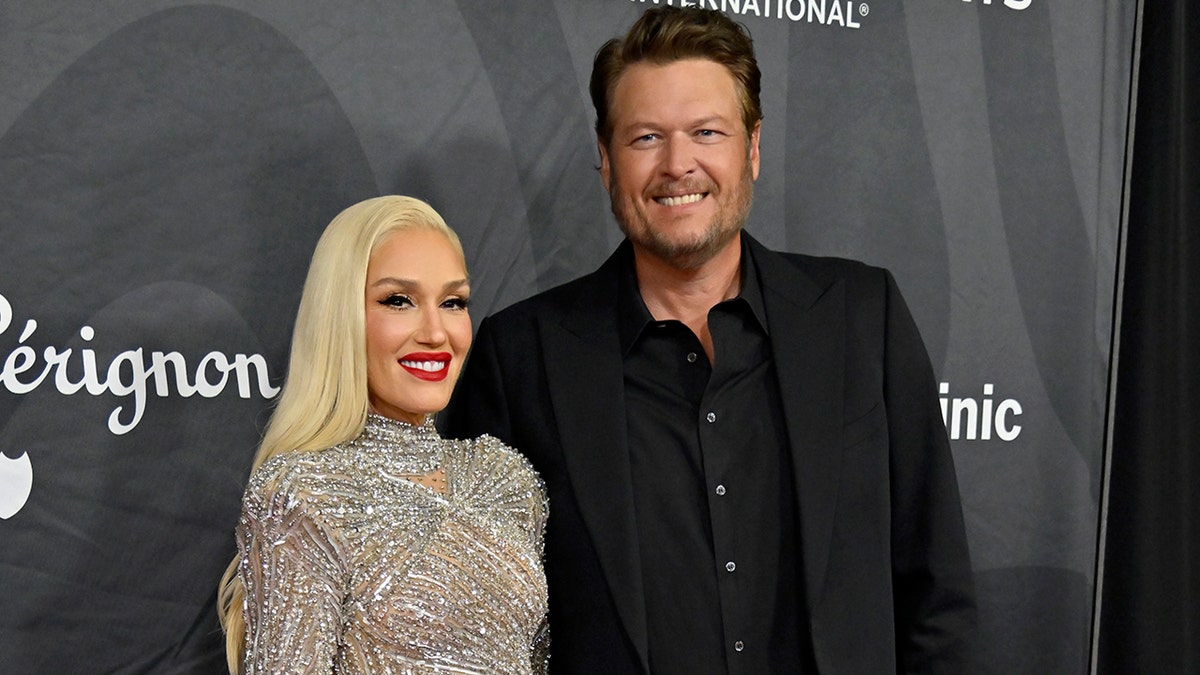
(418, 447)
(387, 425)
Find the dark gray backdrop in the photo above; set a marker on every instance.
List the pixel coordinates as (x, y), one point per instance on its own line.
(165, 169)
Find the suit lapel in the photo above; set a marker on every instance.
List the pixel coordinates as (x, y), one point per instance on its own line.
(586, 384)
(807, 325)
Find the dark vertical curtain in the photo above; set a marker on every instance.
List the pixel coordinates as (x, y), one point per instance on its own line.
(1150, 585)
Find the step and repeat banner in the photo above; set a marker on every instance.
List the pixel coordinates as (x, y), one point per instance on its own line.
(166, 168)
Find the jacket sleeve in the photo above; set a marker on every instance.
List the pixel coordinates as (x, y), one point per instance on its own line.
(931, 568)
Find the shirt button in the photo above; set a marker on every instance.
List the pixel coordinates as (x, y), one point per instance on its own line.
(691, 357)
(721, 490)
(738, 646)
(711, 417)
(730, 566)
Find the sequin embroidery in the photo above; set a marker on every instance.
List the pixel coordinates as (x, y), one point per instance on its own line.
(351, 566)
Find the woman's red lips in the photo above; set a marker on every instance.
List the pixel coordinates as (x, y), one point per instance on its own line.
(430, 366)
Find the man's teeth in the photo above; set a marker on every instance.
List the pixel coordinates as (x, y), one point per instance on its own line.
(427, 366)
(681, 200)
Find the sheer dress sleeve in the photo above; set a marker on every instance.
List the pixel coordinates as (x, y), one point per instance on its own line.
(293, 575)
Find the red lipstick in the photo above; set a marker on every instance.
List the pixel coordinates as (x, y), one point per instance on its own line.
(428, 366)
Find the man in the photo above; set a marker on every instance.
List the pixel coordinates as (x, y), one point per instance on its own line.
(745, 457)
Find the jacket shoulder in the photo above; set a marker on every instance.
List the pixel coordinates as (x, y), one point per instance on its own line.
(552, 303)
(831, 267)
(789, 272)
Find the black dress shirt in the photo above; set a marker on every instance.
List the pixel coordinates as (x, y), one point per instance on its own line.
(713, 492)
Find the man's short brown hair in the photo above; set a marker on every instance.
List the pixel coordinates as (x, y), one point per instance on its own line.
(667, 34)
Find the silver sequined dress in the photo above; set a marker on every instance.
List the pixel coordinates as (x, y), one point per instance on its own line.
(352, 567)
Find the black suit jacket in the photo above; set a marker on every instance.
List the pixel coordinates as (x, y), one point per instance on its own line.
(884, 561)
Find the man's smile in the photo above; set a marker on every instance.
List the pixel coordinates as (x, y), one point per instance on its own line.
(681, 199)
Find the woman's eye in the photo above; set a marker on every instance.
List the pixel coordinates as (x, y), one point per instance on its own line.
(456, 303)
(397, 300)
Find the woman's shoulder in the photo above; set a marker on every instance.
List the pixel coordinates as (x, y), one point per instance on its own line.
(494, 480)
(494, 454)
(292, 465)
(300, 476)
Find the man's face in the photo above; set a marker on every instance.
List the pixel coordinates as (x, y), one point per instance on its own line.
(679, 168)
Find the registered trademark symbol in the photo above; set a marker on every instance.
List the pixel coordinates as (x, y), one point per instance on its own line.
(863, 9)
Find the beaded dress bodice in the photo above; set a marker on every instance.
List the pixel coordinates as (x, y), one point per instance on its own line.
(352, 566)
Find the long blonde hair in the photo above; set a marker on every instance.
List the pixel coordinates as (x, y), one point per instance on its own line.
(324, 399)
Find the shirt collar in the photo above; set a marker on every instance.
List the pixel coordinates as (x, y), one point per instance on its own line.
(633, 316)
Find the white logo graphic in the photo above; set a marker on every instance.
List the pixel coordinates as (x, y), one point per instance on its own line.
(1011, 4)
(840, 13)
(132, 374)
(16, 482)
(970, 418)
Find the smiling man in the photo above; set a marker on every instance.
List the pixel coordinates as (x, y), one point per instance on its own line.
(744, 452)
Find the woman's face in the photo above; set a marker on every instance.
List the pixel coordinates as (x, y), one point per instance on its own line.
(417, 325)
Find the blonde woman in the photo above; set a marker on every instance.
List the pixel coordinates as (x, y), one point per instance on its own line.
(367, 543)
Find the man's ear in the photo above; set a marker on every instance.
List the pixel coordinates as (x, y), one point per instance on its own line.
(753, 149)
(605, 169)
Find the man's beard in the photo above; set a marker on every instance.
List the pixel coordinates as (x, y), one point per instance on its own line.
(686, 255)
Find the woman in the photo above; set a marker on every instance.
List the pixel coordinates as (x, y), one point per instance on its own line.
(367, 543)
